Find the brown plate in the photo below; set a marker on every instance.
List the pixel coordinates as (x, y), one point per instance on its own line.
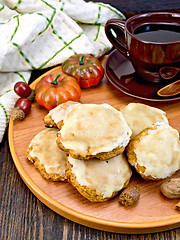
(121, 74)
(152, 213)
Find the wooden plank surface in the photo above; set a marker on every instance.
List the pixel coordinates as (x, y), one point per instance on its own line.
(152, 207)
(23, 216)
(131, 7)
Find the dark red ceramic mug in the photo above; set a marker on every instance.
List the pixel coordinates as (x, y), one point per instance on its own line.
(150, 41)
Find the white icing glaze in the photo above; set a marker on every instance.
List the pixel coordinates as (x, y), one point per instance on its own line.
(46, 150)
(92, 129)
(140, 116)
(159, 151)
(105, 177)
(58, 113)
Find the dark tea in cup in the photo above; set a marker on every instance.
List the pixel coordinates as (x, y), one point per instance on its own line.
(151, 41)
(158, 32)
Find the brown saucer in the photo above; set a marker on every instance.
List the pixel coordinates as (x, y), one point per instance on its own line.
(120, 73)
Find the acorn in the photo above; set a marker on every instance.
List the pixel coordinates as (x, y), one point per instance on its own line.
(31, 96)
(17, 114)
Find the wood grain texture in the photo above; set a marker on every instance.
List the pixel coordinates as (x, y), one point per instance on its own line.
(24, 217)
(153, 211)
(129, 7)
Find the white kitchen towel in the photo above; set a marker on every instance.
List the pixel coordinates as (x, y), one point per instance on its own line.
(37, 34)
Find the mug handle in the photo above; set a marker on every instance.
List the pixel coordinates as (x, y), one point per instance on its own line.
(116, 25)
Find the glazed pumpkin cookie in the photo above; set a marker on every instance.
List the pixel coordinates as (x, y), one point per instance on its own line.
(140, 116)
(46, 156)
(97, 180)
(155, 152)
(94, 131)
(57, 114)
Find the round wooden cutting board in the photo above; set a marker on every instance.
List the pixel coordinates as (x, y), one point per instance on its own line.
(152, 213)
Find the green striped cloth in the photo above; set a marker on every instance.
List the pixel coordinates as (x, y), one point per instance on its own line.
(37, 34)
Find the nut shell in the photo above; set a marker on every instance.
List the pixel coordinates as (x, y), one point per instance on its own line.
(129, 196)
(17, 114)
(171, 188)
(31, 96)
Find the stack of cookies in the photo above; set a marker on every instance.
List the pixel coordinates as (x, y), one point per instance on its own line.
(93, 145)
(154, 150)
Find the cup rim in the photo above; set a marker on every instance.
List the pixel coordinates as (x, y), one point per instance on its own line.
(149, 14)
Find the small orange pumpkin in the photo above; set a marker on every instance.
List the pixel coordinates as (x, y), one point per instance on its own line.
(55, 89)
(87, 69)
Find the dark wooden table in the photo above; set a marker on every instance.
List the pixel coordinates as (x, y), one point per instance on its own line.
(23, 216)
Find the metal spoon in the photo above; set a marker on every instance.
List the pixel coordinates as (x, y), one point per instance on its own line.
(168, 72)
(169, 90)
